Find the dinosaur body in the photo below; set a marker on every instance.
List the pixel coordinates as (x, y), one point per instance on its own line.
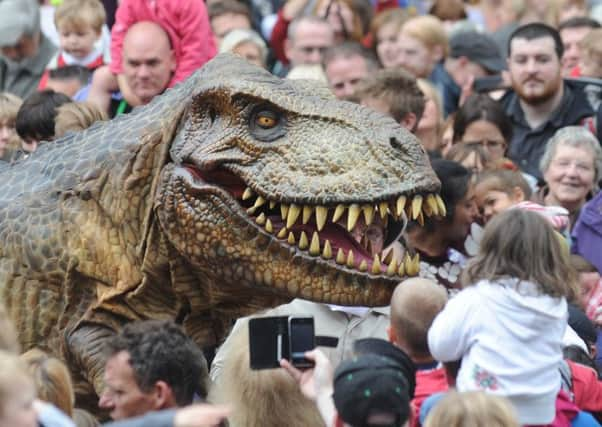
(232, 192)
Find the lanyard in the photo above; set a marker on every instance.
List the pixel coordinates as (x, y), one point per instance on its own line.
(121, 107)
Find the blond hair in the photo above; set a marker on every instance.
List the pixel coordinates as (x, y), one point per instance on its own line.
(267, 398)
(80, 14)
(472, 409)
(12, 370)
(521, 244)
(51, 378)
(76, 116)
(429, 30)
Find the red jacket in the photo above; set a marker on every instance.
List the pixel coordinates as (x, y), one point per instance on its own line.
(427, 382)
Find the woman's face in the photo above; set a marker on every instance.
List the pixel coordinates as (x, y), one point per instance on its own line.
(429, 121)
(570, 176)
(17, 410)
(251, 52)
(488, 136)
(465, 213)
(386, 45)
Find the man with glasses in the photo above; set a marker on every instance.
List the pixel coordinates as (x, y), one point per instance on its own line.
(307, 40)
(24, 50)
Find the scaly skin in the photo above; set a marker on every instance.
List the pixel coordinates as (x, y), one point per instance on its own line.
(151, 215)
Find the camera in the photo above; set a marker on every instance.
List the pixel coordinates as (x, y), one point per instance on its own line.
(281, 337)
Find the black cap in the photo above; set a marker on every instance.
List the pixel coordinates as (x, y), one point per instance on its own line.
(478, 47)
(370, 384)
(385, 348)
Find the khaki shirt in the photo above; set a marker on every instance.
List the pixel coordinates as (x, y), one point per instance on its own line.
(328, 322)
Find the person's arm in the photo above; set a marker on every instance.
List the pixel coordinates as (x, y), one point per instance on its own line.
(124, 18)
(316, 383)
(449, 335)
(290, 10)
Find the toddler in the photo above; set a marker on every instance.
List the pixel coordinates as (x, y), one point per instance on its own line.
(590, 63)
(507, 324)
(79, 24)
(9, 140)
(499, 189)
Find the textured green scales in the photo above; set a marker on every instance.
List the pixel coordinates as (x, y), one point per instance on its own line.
(106, 226)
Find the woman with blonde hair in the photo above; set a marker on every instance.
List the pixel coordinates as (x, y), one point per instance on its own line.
(430, 126)
(471, 409)
(51, 378)
(384, 29)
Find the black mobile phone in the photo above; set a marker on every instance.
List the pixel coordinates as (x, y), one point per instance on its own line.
(302, 338)
(268, 341)
(488, 83)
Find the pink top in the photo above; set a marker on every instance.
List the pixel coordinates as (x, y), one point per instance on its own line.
(185, 21)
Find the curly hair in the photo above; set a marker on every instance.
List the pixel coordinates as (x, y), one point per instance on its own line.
(159, 350)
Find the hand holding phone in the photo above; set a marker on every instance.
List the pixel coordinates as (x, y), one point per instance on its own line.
(302, 338)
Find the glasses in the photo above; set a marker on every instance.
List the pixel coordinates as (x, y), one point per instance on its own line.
(489, 145)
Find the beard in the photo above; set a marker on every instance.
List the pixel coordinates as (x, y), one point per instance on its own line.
(541, 94)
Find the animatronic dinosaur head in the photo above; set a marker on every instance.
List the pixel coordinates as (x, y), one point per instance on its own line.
(275, 183)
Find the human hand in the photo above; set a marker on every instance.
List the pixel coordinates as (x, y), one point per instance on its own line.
(315, 382)
(293, 8)
(201, 415)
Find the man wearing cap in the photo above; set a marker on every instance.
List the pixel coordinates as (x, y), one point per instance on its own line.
(24, 49)
(471, 55)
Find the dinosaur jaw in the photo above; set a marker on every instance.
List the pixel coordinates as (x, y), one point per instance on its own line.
(353, 237)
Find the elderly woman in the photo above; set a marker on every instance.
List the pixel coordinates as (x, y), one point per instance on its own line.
(571, 168)
(246, 43)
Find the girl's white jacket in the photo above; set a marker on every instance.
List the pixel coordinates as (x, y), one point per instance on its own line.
(509, 338)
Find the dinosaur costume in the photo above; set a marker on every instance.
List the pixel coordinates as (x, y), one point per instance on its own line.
(232, 192)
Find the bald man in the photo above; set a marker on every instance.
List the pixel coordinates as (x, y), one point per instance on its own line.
(414, 305)
(148, 64)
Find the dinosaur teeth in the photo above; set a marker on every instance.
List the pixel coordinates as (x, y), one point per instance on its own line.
(260, 201)
(291, 238)
(416, 206)
(307, 211)
(376, 265)
(248, 193)
(368, 214)
(282, 233)
(283, 211)
(268, 226)
(293, 214)
(392, 266)
(382, 209)
(352, 216)
(400, 205)
(431, 203)
(272, 204)
(327, 252)
(363, 266)
(338, 213)
(321, 215)
(303, 242)
(441, 205)
(350, 262)
(340, 257)
(314, 247)
(260, 219)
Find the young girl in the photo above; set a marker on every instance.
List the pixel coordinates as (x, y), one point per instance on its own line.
(507, 325)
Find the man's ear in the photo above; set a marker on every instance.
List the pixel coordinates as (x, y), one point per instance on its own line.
(391, 335)
(518, 195)
(409, 122)
(163, 396)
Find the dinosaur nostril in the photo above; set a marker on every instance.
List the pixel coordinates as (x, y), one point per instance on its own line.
(394, 143)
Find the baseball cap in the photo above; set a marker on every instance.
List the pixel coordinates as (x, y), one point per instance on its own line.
(477, 47)
(370, 385)
(17, 17)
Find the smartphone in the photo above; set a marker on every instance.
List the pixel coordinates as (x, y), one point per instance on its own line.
(268, 341)
(488, 83)
(302, 338)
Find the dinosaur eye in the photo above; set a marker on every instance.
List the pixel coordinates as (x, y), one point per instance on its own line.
(266, 119)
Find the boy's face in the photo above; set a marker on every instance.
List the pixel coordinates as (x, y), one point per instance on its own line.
(590, 65)
(78, 42)
(492, 202)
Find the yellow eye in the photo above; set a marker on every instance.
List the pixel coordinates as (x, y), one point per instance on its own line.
(266, 120)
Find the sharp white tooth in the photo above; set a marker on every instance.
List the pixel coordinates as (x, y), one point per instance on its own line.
(431, 202)
(272, 204)
(350, 262)
(251, 210)
(293, 214)
(259, 202)
(408, 264)
(412, 265)
(248, 193)
(387, 259)
(307, 211)
(363, 265)
(441, 205)
(283, 211)
(268, 226)
(416, 206)
(420, 219)
(401, 271)
(291, 238)
(376, 265)
(303, 243)
(392, 267)
(314, 247)
(327, 252)
(400, 205)
(340, 257)
(368, 214)
(321, 215)
(352, 216)
(282, 233)
(382, 209)
(260, 219)
(338, 213)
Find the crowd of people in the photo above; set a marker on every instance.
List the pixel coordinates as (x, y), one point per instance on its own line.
(502, 326)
